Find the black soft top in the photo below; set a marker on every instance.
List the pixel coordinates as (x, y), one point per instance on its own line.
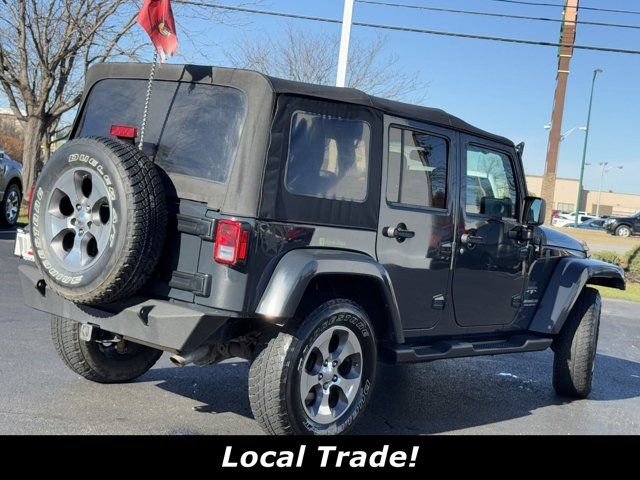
(398, 109)
(208, 74)
(244, 193)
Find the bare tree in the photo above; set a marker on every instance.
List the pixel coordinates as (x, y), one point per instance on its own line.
(46, 47)
(313, 57)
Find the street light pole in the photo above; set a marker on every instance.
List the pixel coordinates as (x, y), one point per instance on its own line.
(347, 16)
(586, 140)
(603, 170)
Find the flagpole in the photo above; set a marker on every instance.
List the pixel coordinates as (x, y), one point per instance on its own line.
(147, 98)
(343, 55)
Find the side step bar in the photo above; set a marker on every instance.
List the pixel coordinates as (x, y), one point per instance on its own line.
(454, 349)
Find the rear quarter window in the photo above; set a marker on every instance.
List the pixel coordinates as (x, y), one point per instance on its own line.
(328, 157)
(193, 129)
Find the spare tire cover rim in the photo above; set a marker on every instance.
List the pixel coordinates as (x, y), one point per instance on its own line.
(78, 219)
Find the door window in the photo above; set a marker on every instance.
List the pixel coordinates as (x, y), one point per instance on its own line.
(491, 184)
(417, 169)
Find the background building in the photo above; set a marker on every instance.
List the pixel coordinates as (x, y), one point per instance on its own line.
(566, 194)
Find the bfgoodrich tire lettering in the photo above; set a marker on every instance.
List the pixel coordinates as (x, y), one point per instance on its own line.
(274, 376)
(98, 220)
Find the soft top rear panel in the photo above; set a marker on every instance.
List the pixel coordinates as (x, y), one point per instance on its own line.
(239, 193)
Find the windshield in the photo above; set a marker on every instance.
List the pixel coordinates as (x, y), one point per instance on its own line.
(193, 129)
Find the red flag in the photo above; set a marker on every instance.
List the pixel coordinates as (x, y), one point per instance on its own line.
(156, 18)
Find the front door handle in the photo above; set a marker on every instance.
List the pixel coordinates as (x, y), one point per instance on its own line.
(468, 239)
(399, 232)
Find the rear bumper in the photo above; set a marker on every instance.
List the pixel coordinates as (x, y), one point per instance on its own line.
(168, 325)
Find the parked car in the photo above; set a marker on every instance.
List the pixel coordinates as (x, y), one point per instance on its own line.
(623, 226)
(312, 230)
(567, 219)
(596, 223)
(10, 190)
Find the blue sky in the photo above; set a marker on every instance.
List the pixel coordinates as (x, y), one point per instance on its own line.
(504, 88)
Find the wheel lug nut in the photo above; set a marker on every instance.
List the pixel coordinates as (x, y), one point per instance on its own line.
(335, 363)
(80, 232)
(326, 385)
(335, 378)
(78, 206)
(326, 362)
(320, 376)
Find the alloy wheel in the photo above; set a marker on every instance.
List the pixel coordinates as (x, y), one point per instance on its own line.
(331, 376)
(79, 219)
(12, 206)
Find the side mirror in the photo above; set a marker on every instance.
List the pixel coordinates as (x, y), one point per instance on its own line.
(534, 209)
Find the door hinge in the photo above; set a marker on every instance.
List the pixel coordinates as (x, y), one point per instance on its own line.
(197, 283)
(201, 227)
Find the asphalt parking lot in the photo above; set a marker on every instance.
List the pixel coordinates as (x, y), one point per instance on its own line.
(508, 394)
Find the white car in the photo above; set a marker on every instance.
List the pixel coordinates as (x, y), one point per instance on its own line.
(564, 219)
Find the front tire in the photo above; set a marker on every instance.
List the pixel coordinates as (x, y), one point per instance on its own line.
(96, 362)
(10, 206)
(623, 231)
(576, 345)
(318, 379)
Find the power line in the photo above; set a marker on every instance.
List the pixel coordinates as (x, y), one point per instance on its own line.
(499, 15)
(595, 9)
(406, 29)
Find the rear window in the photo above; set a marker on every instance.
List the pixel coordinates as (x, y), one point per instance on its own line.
(192, 129)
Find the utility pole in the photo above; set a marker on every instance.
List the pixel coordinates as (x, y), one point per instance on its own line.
(586, 140)
(567, 38)
(343, 57)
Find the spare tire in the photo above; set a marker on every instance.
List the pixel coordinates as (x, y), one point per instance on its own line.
(98, 220)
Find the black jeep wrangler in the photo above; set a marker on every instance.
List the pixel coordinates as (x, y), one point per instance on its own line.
(312, 230)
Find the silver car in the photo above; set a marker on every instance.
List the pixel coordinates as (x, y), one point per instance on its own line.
(10, 189)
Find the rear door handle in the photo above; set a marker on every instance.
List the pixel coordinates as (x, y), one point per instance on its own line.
(399, 232)
(468, 239)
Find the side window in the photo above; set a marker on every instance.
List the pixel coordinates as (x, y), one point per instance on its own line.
(417, 169)
(491, 184)
(328, 157)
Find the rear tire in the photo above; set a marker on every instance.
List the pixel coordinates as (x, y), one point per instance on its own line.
(576, 345)
(96, 362)
(292, 390)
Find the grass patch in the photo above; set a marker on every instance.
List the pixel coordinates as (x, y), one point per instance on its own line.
(631, 293)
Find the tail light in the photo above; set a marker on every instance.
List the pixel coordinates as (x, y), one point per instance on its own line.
(231, 242)
(32, 189)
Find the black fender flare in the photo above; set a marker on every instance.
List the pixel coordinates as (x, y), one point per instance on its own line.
(567, 281)
(297, 268)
